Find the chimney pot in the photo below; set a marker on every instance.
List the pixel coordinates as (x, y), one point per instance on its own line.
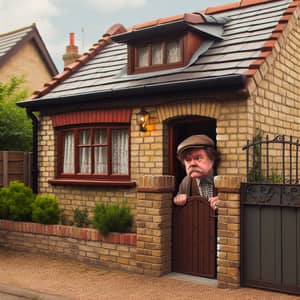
(71, 51)
(72, 39)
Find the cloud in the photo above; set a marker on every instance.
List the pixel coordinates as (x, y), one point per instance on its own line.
(104, 6)
(15, 14)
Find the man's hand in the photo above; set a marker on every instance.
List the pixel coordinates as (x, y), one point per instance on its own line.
(180, 199)
(214, 202)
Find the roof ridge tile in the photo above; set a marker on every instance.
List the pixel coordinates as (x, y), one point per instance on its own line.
(236, 5)
(32, 27)
(156, 22)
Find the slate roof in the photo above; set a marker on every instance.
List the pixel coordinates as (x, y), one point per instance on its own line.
(250, 33)
(12, 41)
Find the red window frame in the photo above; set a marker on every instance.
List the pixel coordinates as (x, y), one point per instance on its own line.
(97, 177)
(155, 67)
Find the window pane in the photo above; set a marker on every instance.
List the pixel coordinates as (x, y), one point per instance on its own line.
(119, 139)
(84, 152)
(68, 159)
(84, 137)
(100, 136)
(143, 56)
(100, 153)
(157, 54)
(173, 52)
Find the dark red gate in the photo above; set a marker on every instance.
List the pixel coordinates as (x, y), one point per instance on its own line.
(194, 238)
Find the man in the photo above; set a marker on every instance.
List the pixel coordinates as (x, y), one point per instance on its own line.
(198, 155)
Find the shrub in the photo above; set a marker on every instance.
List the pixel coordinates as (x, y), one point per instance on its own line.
(45, 210)
(3, 208)
(112, 218)
(16, 200)
(81, 217)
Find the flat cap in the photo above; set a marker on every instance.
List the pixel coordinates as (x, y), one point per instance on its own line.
(195, 141)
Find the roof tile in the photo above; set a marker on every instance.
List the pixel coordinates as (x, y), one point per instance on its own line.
(280, 27)
(245, 3)
(285, 18)
(249, 39)
(217, 9)
(256, 64)
(268, 45)
(250, 72)
(275, 36)
(294, 3)
(265, 54)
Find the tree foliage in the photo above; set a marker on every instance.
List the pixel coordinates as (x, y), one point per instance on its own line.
(15, 126)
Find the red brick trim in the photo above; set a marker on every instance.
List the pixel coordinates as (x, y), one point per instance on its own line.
(88, 117)
(87, 234)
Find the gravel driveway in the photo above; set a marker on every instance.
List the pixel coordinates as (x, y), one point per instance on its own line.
(76, 280)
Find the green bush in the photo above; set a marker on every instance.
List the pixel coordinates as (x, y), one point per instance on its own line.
(3, 208)
(81, 217)
(16, 200)
(45, 210)
(112, 218)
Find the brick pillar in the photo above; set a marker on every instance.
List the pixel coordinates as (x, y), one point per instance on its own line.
(228, 261)
(154, 221)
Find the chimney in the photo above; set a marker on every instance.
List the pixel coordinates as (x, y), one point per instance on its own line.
(71, 51)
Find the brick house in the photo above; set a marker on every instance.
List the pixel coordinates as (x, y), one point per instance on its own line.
(23, 53)
(110, 123)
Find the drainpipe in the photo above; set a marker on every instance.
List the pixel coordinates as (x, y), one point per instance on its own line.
(34, 162)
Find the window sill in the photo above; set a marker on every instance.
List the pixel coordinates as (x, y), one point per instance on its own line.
(92, 182)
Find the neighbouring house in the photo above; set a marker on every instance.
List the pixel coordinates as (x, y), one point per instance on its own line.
(24, 54)
(109, 125)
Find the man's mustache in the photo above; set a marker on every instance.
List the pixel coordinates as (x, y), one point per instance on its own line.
(194, 169)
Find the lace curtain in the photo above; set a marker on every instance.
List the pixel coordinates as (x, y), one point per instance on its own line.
(173, 52)
(119, 139)
(84, 152)
(143, 56)
(68, 162)
(157, 54)
(100, 151)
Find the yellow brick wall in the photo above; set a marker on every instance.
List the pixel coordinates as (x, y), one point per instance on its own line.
(275, 87)
(148, 151)
(26, 62)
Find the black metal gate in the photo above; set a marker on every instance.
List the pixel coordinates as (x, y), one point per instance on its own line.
(270, 216)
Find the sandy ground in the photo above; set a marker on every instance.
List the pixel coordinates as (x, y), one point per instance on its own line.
(76, 280)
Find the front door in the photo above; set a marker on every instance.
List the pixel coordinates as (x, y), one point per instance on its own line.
(194, 225)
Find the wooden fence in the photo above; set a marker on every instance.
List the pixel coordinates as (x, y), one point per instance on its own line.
(15, 165)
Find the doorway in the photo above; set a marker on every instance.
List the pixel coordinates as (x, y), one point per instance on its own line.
(193, 225)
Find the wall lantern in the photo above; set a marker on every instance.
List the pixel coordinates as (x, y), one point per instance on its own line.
(142, 119)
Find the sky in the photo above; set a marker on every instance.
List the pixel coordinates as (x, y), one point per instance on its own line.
(88, 19)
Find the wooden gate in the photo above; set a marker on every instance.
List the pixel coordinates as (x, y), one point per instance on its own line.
(194, 242)
(270, 217)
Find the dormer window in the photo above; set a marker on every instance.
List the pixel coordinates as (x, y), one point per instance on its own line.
(157, 55)
(171, 43)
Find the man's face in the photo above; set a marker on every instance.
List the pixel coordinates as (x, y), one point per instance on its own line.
(197, 164)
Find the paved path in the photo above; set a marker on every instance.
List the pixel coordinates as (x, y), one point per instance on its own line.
(45, 276)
